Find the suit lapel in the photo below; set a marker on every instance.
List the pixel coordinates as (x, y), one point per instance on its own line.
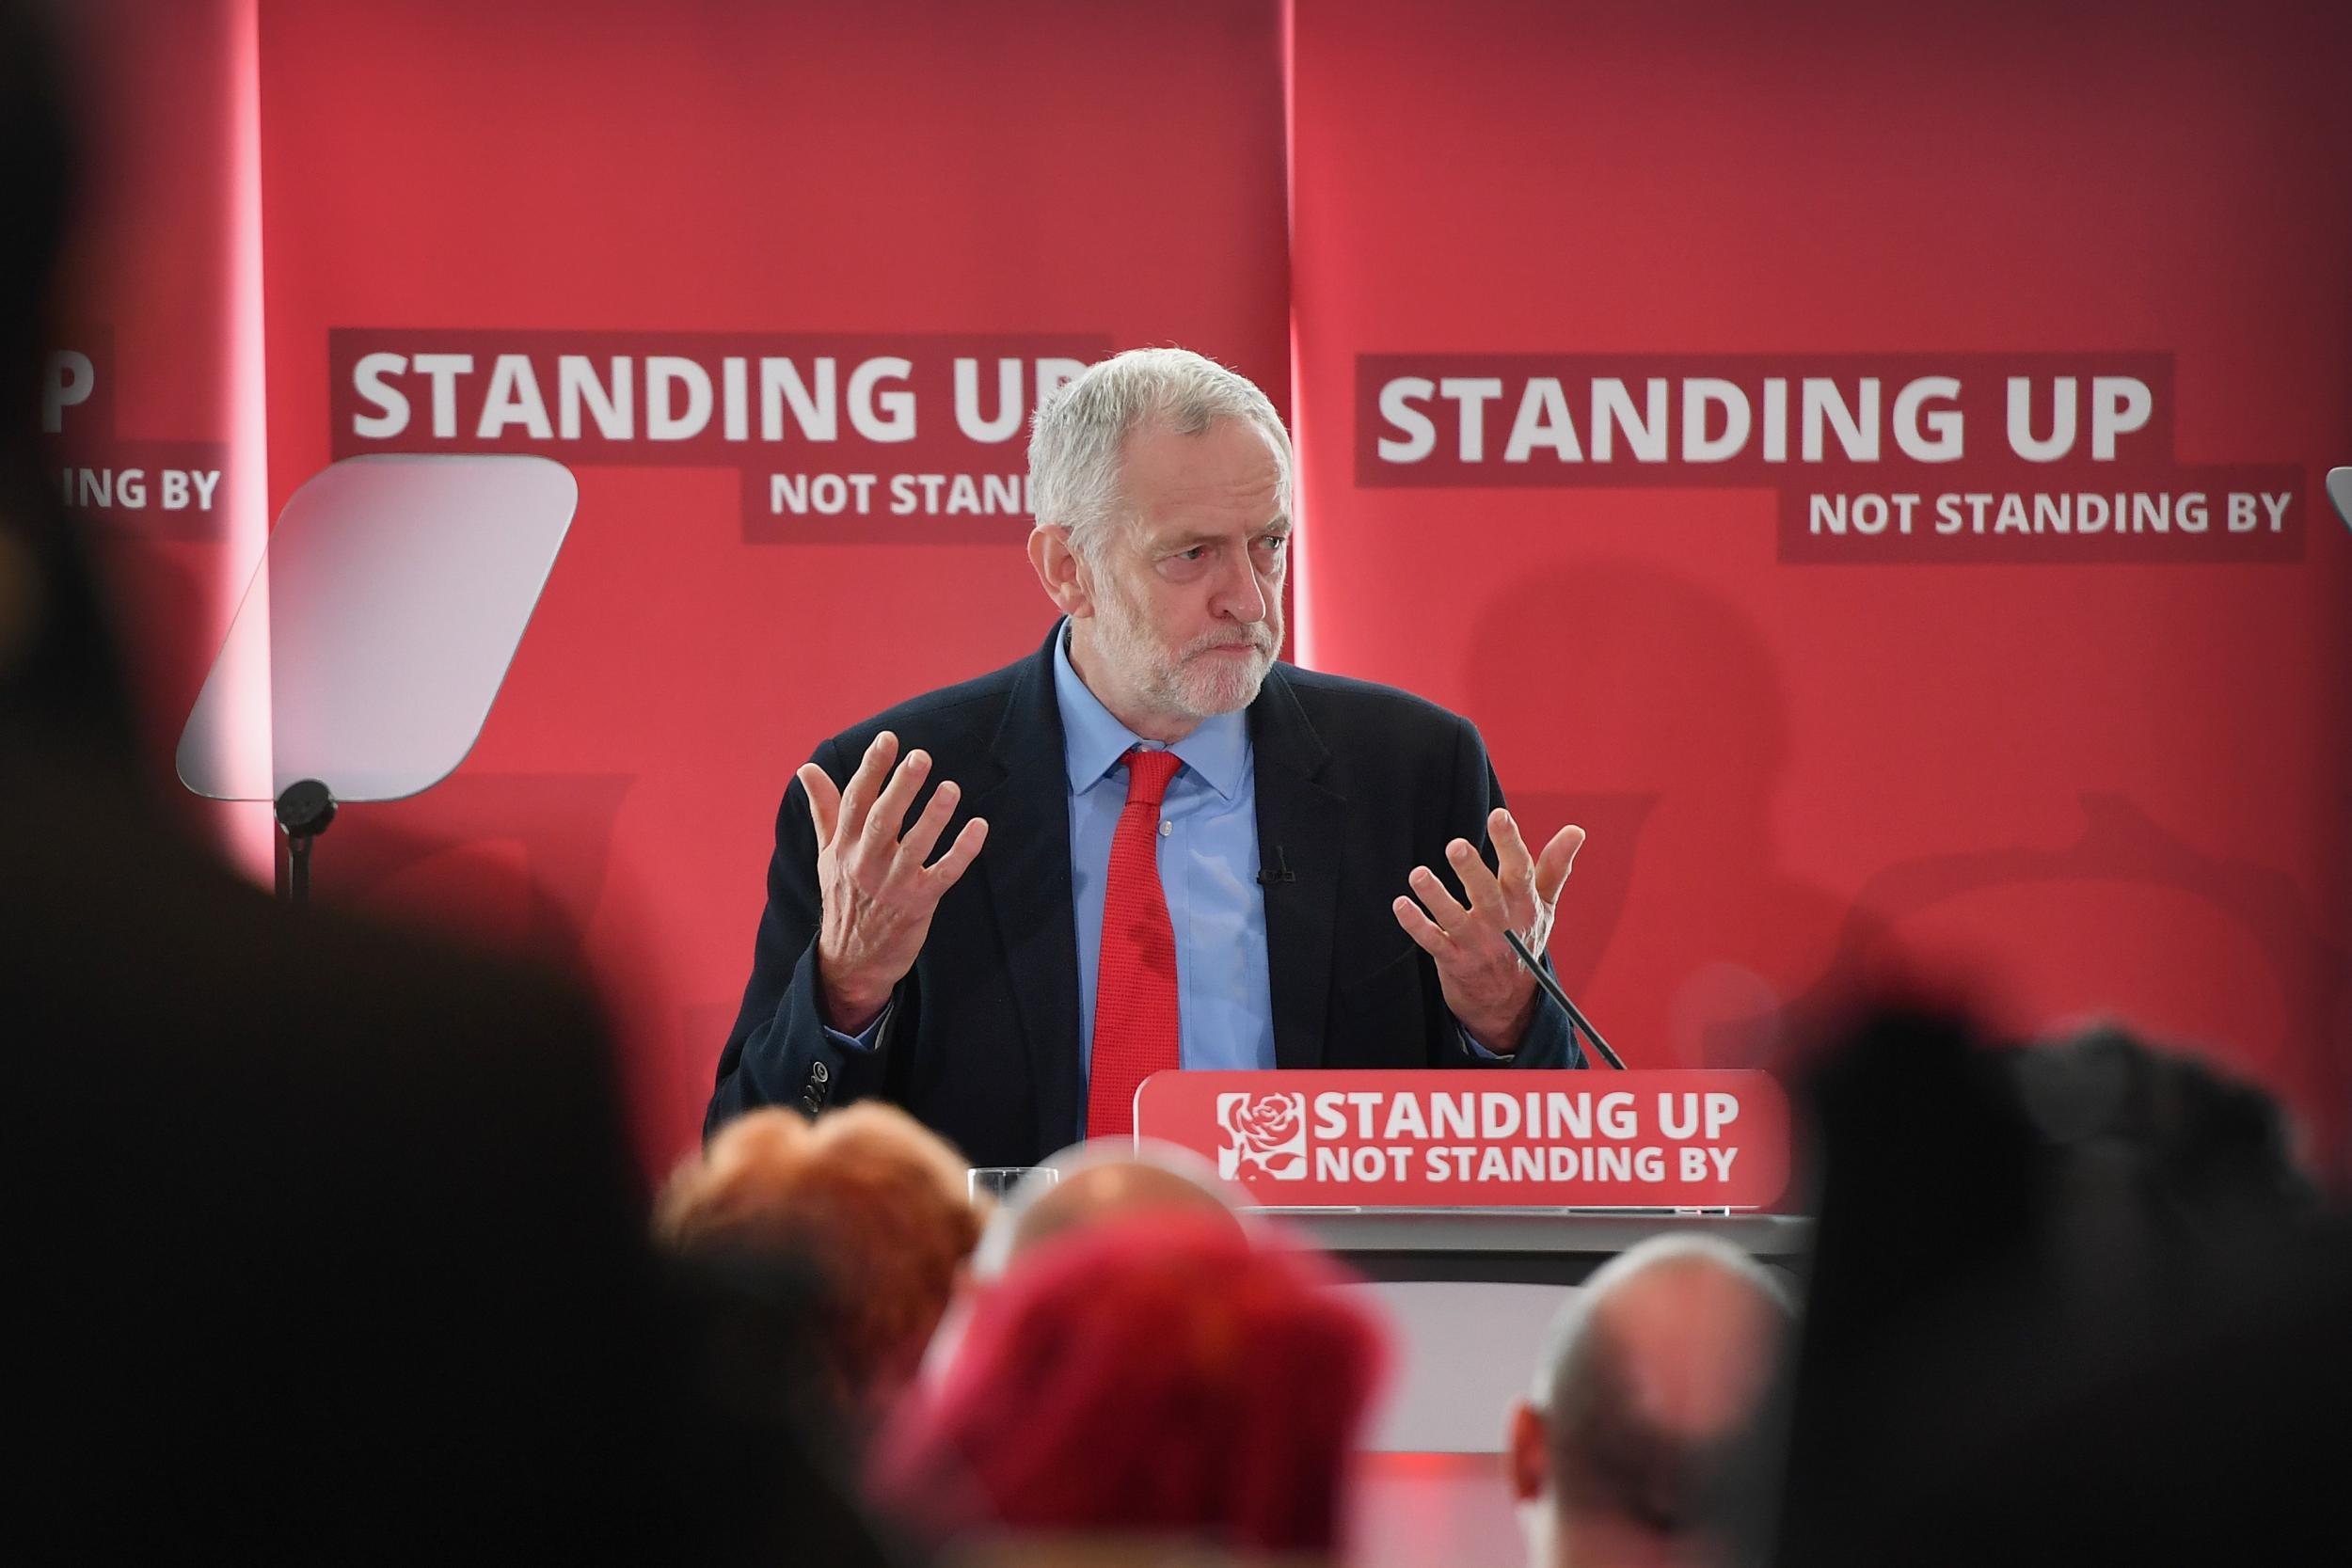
(1026, 862)
(1303, 826)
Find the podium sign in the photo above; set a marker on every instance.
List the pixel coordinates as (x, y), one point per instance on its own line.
(1464, 1139)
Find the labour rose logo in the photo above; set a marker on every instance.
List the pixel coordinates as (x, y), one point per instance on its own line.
(1267, 1131)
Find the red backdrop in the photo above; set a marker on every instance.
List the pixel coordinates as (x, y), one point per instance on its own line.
(783, 180)
(2088, 774)
(157, 384)
(2088, 779)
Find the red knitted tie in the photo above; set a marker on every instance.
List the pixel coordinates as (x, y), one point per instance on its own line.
(1135, 986)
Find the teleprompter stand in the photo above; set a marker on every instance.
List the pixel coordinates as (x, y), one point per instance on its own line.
(374, 635)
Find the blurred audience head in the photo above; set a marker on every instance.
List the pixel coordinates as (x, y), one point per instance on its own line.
(1647, 1404)
(2068, 1304)
(2216, 1151)
(1151, 1379)
(1098, 1181)
(870, 1201)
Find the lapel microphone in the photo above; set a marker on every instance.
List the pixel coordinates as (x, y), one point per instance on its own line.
(1551, 988)
(1279, 872)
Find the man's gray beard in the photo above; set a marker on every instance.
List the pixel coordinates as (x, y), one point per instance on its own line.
(1220, 688)
(1188, 689)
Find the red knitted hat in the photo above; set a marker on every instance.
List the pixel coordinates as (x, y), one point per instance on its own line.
(1152, 1376)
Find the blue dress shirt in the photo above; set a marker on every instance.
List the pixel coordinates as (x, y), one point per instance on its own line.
(1208, 846)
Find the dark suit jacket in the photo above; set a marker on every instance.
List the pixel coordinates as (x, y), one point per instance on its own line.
(1356, 785)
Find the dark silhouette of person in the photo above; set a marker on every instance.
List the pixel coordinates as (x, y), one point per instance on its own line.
(2069, 1304)
(324, 1239)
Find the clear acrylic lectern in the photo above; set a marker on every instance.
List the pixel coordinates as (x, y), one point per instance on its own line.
(374, 634)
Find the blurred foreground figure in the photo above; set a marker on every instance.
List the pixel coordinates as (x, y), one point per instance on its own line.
(869, 1200)
(1097, 1182)
(1112, 1178)
(1150, 1383)
(324, 1242)
(1646, 1408)
(2070, 1304)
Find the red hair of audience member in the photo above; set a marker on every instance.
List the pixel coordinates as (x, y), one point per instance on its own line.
(1155, 1376)
(865, 1195)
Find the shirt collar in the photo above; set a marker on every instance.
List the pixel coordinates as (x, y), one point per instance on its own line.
(1094, 739)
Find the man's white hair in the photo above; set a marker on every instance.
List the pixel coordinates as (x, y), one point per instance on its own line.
(1077, 437)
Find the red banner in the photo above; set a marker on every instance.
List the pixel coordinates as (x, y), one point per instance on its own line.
(151, 400)
(1614, 326)
(1953, 459)
(1637, 1140)
(780, 285)
(1649, 355)
(841, 438)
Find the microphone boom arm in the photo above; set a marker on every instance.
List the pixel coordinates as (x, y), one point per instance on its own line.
(1551, 989)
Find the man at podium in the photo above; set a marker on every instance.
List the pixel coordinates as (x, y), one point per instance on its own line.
(1162, 848)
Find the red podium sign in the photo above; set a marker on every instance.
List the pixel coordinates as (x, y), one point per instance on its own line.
(1441, 1139)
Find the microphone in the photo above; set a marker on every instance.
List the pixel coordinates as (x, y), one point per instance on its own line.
(1551, 989)
(1279, 872)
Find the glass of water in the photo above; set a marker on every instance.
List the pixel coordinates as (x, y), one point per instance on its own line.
(995, 1183)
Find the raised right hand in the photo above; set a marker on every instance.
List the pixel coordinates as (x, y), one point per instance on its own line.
(879, 895)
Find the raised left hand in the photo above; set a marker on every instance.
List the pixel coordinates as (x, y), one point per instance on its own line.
(1489, 991)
